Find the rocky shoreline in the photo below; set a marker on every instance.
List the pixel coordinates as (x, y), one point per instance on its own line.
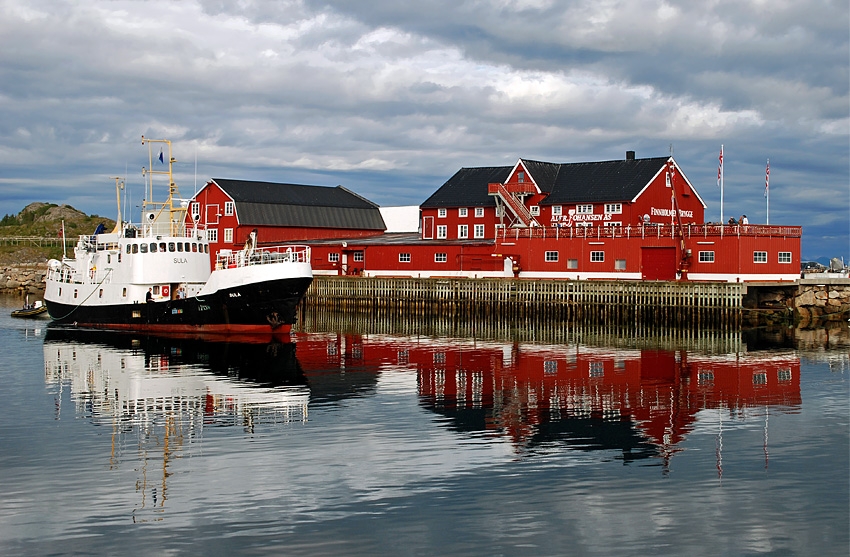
(23, 277)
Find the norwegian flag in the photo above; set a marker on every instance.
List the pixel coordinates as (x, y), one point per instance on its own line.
(720, 168)
(767, 178)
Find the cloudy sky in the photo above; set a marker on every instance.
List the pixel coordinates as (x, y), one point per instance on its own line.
(390, 98)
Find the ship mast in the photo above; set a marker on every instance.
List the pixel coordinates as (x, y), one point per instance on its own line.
(118, 187)
(175, 214)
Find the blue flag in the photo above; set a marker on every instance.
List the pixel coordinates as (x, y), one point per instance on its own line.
(160, 156)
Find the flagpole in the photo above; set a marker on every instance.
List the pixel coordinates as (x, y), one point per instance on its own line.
(722, 222)
(767, 189)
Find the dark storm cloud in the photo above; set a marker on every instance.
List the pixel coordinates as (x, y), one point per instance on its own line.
(390, 99)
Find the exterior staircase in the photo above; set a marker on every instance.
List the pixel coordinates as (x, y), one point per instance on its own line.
(509, 196)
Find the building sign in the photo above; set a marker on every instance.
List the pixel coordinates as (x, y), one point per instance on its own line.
(669, 212)
(571, 217)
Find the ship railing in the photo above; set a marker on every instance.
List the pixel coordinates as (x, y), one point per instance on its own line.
(226, 259)
(707, 230)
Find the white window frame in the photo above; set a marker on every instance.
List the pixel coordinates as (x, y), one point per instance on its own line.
(586, 209)
(479, 212)
(557, 210)
(786, 255)
(613, 223)
(534, 210)
(706, 257)
(613, 208)
(551, 257)
(228, 208)
(442, 231)
(333, 257)
(597, 256)
(212, 235)
(404, 258)
(228, 235)
(463, 231)
(463, 212)
(478, 231)
(520, 177)
(441, 257)
(195, 210)
(441, 213)
(358, 256)
(759, 257)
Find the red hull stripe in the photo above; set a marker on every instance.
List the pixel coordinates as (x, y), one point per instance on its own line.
(219, 329)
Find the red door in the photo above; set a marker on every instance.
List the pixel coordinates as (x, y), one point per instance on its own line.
(428, 228)
(658, 263)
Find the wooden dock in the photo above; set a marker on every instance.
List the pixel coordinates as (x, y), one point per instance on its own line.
(669, 303)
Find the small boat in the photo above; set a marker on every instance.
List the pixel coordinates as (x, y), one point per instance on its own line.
(30, 310)
(158, 276)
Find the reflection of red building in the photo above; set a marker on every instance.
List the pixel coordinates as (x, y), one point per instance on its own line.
(643, 402)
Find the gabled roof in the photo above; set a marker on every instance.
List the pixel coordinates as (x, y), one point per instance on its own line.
(274, 204)
(566, 183)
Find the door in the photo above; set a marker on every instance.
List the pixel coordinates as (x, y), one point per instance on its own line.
(427, 228)
(658, 263)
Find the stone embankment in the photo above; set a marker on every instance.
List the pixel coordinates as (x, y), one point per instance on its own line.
(24, 277)
(829, 300)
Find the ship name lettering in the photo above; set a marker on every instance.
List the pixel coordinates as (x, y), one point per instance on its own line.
(180, 260)
(235, 295)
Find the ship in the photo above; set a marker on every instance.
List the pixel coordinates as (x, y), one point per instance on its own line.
(157, 276)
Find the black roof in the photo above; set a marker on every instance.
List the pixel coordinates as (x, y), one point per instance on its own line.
(583, 182)
(274, 204)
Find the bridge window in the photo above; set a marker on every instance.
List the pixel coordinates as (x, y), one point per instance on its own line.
(597, 256)
(440, 258)
(551, 256)
(785, 257)
(759, 257)
(706, 257)
(404, 258)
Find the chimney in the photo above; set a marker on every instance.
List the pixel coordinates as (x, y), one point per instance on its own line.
(630, 155)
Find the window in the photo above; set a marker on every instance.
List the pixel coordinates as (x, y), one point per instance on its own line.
(760, 378)
(196, 210)
(463, 231)
(171, 246)
(442, 230)
(785, 257)
(759, 257)
(535, 210)
(619, 264)
(228, 208)
(613, 208)
(143, 248)
(228, 234)
(550, 367)
(358, 256)
(572, 263)
(462, 212)
(583, 224)
(212, 235)
(556, 209)
(441, 213)
(551, 256)
(520, 177)
(479, 230)
(706, 257)
(705, 378)
(333, 257)
(153, 247)
(613, 223)
(783, 375)
(404, 258)
(440, 258)
(135, 248)
(596, 369)
(479, 212)
(584, 209)
(597, 256)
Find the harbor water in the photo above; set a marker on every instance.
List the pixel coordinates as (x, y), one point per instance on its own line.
(365, 434)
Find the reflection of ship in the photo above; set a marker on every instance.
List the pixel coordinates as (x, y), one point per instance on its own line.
(164, 392)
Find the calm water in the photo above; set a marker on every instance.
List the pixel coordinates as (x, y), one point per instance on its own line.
(366, 436)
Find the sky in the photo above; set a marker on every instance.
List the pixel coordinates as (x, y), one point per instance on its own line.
(390, 99)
